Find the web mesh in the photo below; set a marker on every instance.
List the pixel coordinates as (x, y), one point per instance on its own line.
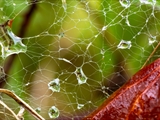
(78, 52)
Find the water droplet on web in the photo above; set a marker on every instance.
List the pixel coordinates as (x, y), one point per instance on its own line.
(81, 77)
(152, 40)
(61, 35)
(54, 85)
(104, 28)
(10, 43)
(125, 3)
(124, 44)
(102, 51)
(38, 109)
(18, 46)
(53, 112)
(79, 106)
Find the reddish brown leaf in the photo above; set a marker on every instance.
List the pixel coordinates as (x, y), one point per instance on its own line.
(138, 99)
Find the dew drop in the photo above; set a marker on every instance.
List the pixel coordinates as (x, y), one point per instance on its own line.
(79, 106)
(61, 35)
(102, 51)
(124, 44)
(54, 85)
(53, 112)
(38, 109)
(10, 43)
(152, 40)
(104, 28)
(81, 77)
(125, 3)
(64, 5)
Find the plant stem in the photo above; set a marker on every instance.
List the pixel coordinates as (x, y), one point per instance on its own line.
(2, 103)
(22, 103)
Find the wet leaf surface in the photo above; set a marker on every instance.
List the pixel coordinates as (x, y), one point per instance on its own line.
(138, 99)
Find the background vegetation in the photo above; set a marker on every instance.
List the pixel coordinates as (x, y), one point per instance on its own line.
(86, 34)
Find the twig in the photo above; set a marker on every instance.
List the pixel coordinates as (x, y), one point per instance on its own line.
(2, 103)
(151, 54)
(22, 103)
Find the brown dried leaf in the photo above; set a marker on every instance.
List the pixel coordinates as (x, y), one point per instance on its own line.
(138, 99)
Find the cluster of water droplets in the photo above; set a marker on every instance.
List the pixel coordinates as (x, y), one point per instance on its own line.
(54, 86)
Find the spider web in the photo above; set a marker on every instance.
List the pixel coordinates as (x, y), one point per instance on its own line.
(78, 52)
